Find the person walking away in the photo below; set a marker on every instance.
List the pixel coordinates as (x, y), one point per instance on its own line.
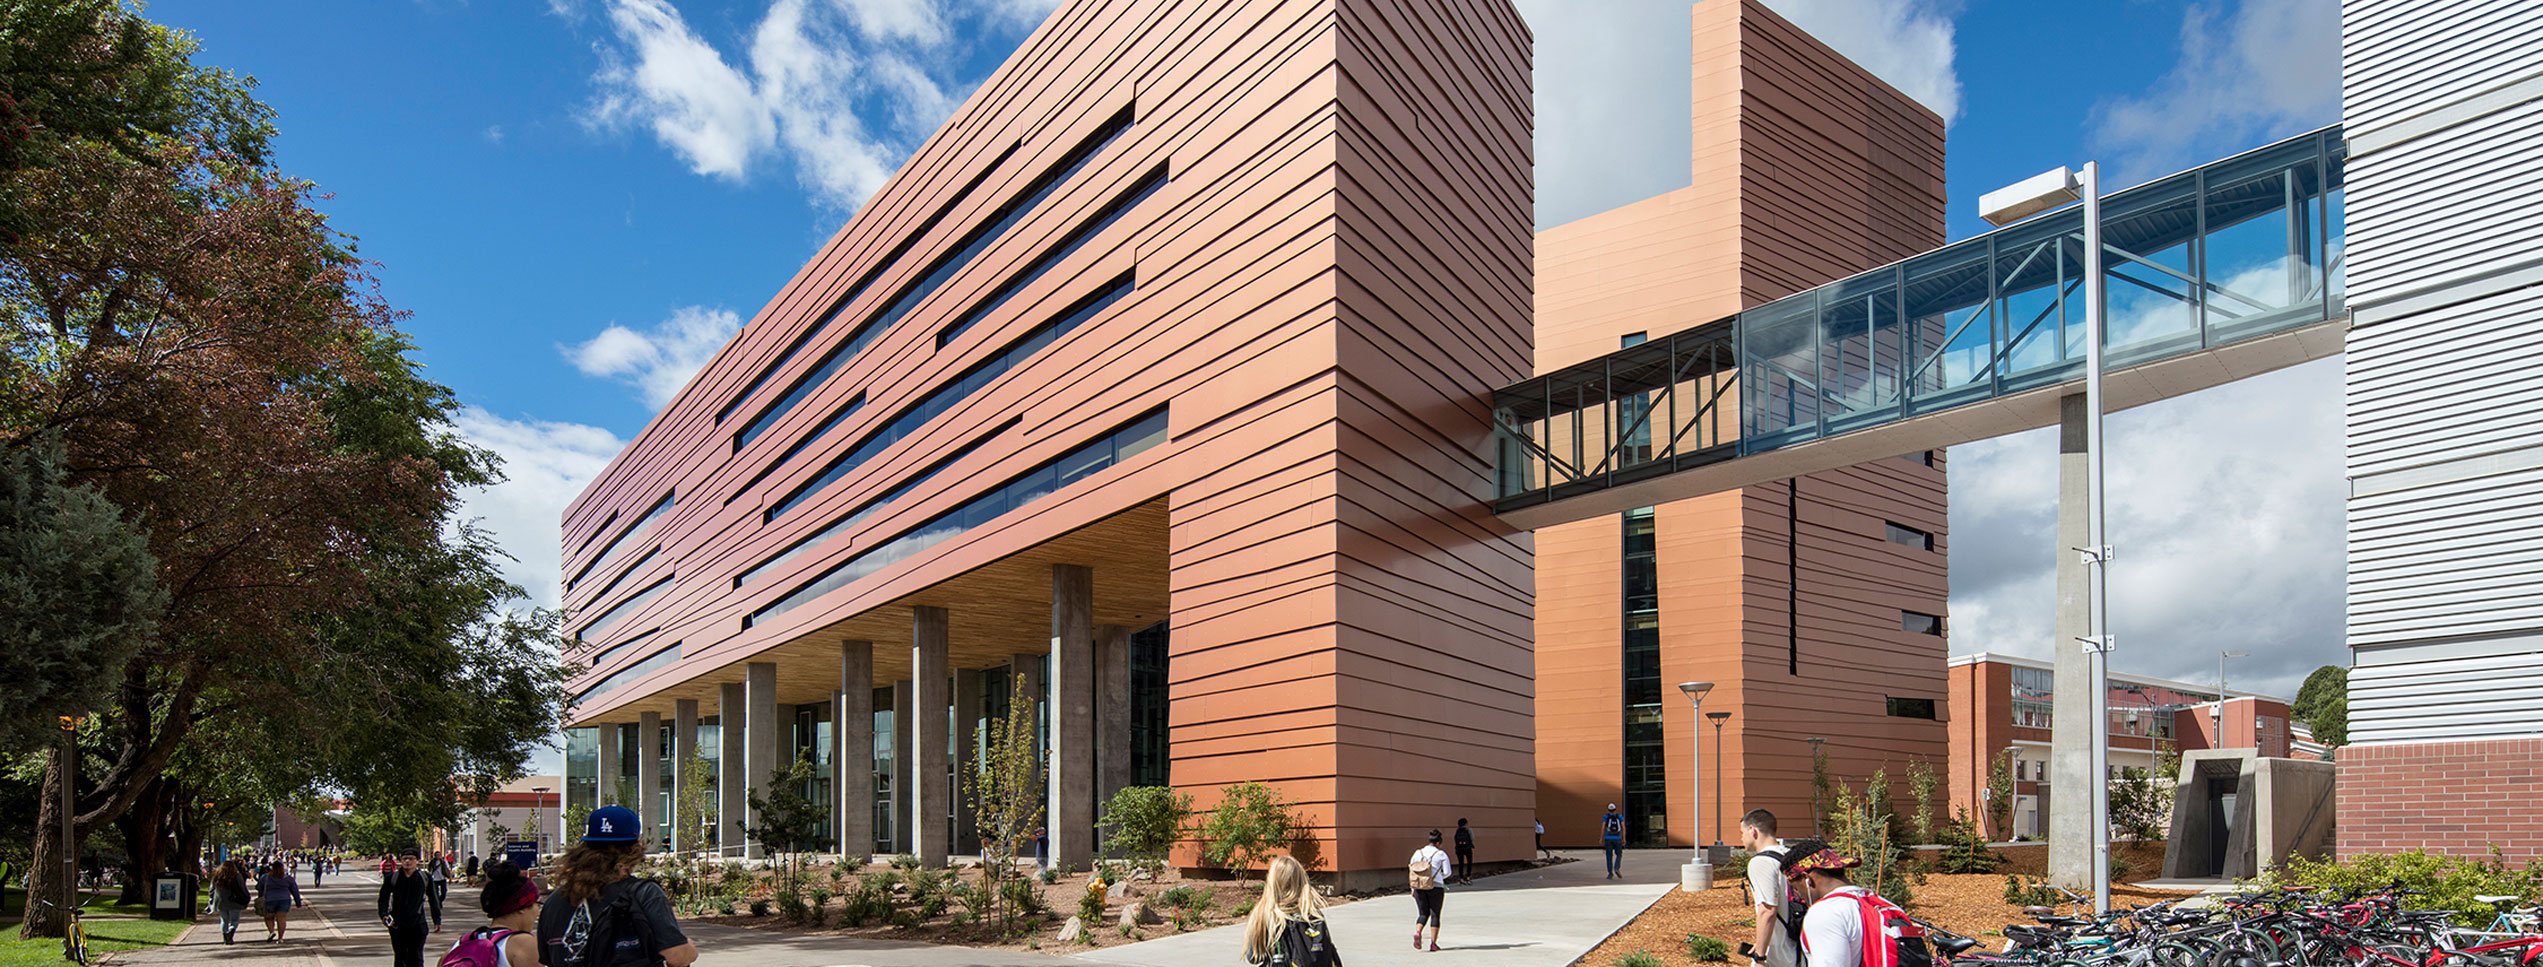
(1611, 839)
(510, 937)
(1847, 925)
(1770, 894)
(1540, 841)
(1427, 874)
(601, 916)
(276, 894)
(317, 872)
(1465, 852)
(472, 866)
(410, 909)
(1286, 927)
(230, 898)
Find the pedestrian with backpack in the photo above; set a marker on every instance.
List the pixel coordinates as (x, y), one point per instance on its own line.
(1778, 939)
(1465, 852)
(229, 897)
(1427, 874)
(510, 938)
(1847, 925)
(1287, 927)
(1611, 838)
(600, 914)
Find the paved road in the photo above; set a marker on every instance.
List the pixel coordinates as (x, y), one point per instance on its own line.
(1546, 917)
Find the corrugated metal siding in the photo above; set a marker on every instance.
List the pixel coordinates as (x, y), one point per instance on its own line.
(2451, 560)
(2401, 57)
(2445, 203)
(2451, 383)
(2491, 693)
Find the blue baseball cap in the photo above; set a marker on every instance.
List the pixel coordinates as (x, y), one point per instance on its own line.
(612, 824)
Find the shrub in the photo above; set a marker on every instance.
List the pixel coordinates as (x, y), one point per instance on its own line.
(1922, 783)
(1250, 822)
(1090, 908)
(1050, 876)
(1182, 897)
(820, 907)
(1860, 826)
(1964, 850)
(2029, 893)
(905, 862)
(2450, 882)
(1142, 822)
(1707, 950)
(759, 908)
(1639, 958)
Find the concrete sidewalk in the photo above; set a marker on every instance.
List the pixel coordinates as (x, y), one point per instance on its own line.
(1545, 917)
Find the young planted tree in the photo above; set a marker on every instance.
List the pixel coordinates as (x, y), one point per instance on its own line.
(1250, 823)
(1922, 783)
(1005, 789)
(789, 824)
(1143, 823)
(2000, 796)
(693, 805)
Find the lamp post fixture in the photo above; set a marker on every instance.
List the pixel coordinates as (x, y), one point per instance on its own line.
(1697, 875)
(2004, 206)
(1720, 719)
(538, 833)
(2216, 719)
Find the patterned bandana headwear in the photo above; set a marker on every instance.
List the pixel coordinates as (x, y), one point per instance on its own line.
(528, 897)
(1824, 859)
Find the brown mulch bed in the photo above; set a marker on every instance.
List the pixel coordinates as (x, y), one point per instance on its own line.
(1968, 904)
(1061, 900)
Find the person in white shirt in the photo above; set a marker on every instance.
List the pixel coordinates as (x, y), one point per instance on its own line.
(1831, 933)
(1429, 871)
(1767, 890)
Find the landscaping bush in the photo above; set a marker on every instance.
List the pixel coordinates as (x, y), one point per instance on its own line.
(1964, 850)
(1707, 950)
(2450, 882)
(1250, 822)
(1639, 958)
(1142, 822)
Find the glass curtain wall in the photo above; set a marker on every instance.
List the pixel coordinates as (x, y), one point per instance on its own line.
(812, 739)
(883, 832)
(582, 768)
(1148, 739)
(1646, 742)
(711, 748)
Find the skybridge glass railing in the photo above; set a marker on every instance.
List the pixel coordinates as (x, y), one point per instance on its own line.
(2245, 247)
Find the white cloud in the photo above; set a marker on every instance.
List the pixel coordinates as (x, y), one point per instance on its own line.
(2265, 69)
(1905, 42)
(544, 466)
(494, 133)
(2225, 512)
(660, 360)
(840, 90)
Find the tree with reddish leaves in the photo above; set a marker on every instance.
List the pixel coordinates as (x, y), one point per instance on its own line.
(215, 360)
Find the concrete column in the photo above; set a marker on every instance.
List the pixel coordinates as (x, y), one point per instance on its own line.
(965, 756)
(931, 678)
(766, 746)
(608, 775)
(2071, 776)
(684, 748)
(731, 717)
(648, 804)
(854, 730)
(904, 753)
(1112, 713)
(1072, 802)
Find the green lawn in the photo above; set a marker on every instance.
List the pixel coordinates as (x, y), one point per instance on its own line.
(14, 906)
(103, 936)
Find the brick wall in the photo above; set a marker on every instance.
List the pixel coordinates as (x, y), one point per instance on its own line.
(2450, 797)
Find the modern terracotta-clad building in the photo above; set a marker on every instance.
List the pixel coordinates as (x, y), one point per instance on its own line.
(1815, 606)
(1157, 383)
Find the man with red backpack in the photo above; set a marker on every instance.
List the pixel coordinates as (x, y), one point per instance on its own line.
(1847, 925)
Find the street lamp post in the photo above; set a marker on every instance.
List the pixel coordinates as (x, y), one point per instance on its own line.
(2023, 199)
(1720, 719)
(1697, 875)
(69, 771)
(538, 833)
(2216, 719)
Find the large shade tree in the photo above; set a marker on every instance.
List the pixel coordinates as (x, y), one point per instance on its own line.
(215, 360)
(78, 592)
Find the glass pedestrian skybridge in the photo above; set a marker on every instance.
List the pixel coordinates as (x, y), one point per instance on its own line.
(2211, 275)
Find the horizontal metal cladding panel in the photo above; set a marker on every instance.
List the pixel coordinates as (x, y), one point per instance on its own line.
(2477, 692)
(2445, 204)
(2448, 560)
(2403, 57)
(2446, 383)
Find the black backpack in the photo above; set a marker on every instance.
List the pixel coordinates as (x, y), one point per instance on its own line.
(612, 924)
(1793, 904)
(1304, 943)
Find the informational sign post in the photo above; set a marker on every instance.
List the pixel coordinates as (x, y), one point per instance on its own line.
(523, 853)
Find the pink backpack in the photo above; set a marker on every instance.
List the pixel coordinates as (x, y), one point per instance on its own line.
(482, 947)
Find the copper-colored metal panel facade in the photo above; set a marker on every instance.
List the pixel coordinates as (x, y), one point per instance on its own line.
(1804, 168)
(1318, 210)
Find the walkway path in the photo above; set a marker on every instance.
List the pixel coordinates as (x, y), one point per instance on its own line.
(1546, 917)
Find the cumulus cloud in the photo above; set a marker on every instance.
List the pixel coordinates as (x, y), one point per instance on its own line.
(660, 360)
(1908, 43)
(545, 464)
(2225, 514)
(839, 90)
(2262, 70)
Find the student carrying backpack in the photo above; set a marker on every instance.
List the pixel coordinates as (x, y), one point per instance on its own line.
(1848, 925)
(599, 916)
(1287, 926)
(510, 938)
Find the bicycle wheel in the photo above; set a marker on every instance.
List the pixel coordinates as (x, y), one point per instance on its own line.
(2174, 953)
(2241, 948)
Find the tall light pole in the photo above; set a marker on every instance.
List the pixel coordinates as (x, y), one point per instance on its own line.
(2216, 719)
(1697, 875)
(2023, 199)
(538, 833)
(69, 771)
(1720, 719)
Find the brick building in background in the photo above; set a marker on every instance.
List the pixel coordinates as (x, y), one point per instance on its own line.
(1815, 605)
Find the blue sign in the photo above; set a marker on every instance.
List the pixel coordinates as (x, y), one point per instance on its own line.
(523, 853)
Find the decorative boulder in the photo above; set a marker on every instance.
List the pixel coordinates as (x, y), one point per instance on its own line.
(1136, 913)
(1073, 931)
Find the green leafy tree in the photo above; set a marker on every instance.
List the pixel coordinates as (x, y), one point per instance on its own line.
(1864, 826)
(693, 805)
(1821, 793)
(1964, 850)
(2322, 704)
(79, 592)
(1248, 825)
(1005, 787)
(2000, 795)
(1922, 783)
(1143, 823)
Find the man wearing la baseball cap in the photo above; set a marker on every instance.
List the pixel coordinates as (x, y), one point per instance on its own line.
(602, 916)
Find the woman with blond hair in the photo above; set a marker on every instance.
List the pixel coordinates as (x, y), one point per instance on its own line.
(1287, 927)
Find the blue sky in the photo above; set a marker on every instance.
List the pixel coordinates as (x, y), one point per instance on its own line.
(578, 200)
